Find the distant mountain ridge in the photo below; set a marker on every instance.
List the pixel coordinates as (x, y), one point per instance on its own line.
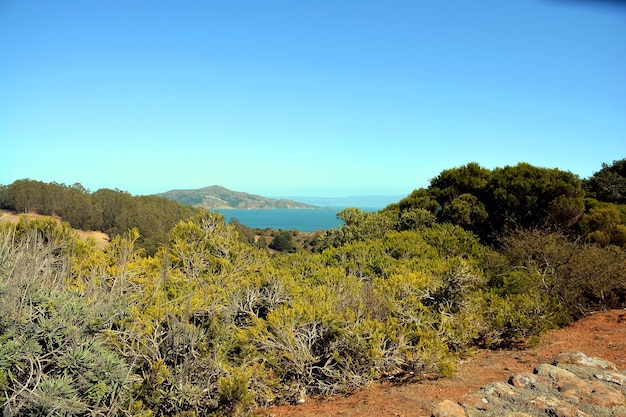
(217, 197)
(364, 201)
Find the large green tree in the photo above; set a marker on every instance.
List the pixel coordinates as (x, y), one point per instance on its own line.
(608, 184)
(489, 202)
(528, 196)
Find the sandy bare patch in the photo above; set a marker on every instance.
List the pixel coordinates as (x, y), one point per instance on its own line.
(10, 216)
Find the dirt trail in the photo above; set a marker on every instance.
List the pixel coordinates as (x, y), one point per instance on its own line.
(602, 334)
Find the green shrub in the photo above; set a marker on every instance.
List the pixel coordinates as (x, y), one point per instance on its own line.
(517, 319)
(580, 277)
(52, 358)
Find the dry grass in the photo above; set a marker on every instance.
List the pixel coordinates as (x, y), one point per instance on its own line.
(101, 239)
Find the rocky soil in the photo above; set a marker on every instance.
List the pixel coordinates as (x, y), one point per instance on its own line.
(574, 385)
(576, 371)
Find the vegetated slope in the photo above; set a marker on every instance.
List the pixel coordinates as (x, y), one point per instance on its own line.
(217, 197)
(216, 326)
(100, 239)
(112, 212)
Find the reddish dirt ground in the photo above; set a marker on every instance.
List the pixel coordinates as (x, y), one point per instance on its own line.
(602, 334)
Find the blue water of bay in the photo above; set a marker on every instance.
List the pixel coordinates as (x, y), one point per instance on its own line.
(304, 220)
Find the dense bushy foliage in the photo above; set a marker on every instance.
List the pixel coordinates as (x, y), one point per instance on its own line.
(580, 277)
(361, 225)
(604, 223)
(488, 202)
(608, 184)
(212, 323)
(283, 241)
(72, 203)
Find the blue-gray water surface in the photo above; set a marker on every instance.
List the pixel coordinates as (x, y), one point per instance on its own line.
(304, 220)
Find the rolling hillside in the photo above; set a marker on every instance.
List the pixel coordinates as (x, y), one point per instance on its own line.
(217, 197)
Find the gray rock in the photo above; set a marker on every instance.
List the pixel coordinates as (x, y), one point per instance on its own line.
(554, 372)
(579, 358)
(575, 385)
(554, 407)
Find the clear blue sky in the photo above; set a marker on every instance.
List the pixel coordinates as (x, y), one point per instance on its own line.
(315, 98)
